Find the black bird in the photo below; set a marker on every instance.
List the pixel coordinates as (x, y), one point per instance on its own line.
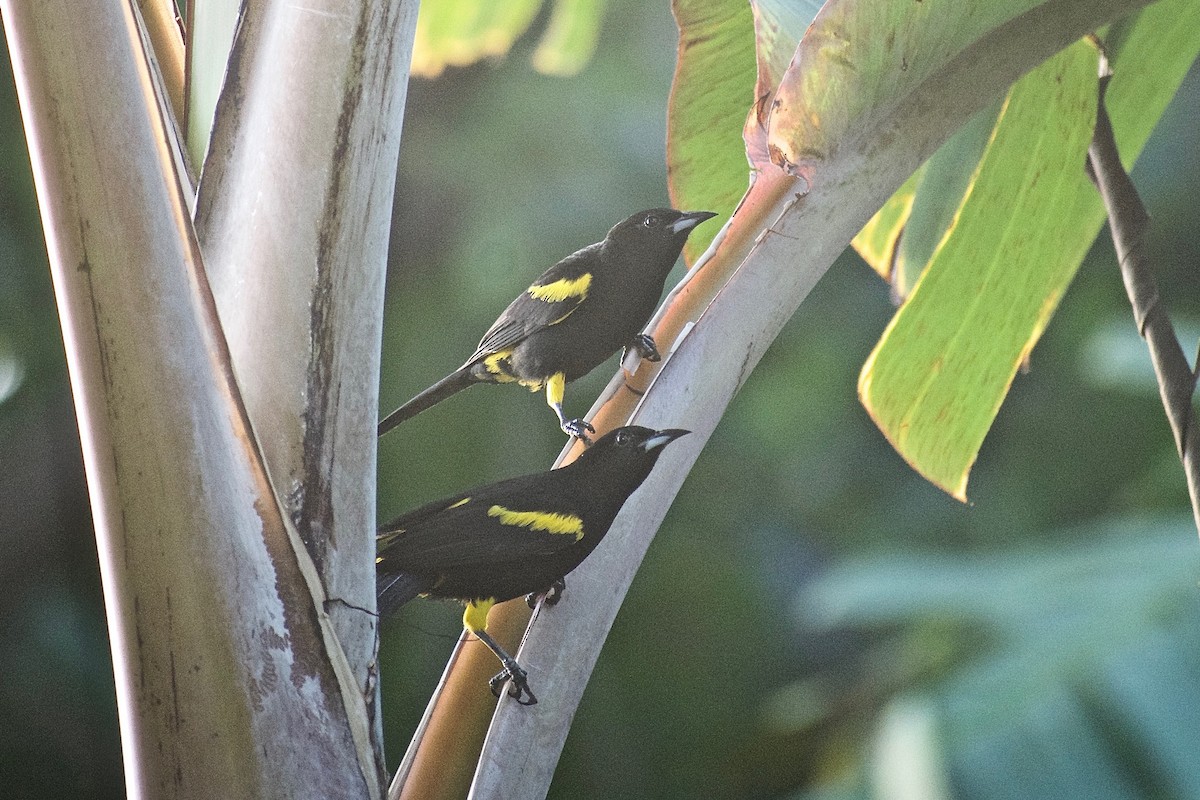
(576, 315)
(516, 537)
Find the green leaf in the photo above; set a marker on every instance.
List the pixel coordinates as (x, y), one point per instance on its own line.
(711, 93)
(900, 239)
(1087, 685)
(817, 111)
(879, 240)
(935, 380)
(570, 38)
(455, 33)
(1046, 746)
(1117, 581)
(1149, 692)
(938, 376)
(945, 181)
(730, 56)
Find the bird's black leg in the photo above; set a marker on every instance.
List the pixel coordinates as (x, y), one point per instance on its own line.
(512, 672)
(552, 594)
(644, 344)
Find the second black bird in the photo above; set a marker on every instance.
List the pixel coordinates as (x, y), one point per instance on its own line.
(576, 315)
(515, 537)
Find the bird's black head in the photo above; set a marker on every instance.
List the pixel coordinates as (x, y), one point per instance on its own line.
(628, 452)
(658, 233)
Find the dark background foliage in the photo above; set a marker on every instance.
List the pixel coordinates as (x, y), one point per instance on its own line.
(719, 678)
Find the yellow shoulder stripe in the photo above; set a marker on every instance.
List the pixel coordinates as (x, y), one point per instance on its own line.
(539, 521)
(562, 289)
(462, 502)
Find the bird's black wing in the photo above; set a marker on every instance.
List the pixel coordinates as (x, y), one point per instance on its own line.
(548, 301)
(523, 520)
(394, 589)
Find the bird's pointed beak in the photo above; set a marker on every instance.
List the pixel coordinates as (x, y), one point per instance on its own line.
(663, 437)
(690, 219)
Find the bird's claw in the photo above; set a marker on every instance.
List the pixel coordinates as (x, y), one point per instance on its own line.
(644, 344)
(519, 690)
(579, 428)
(552, 594)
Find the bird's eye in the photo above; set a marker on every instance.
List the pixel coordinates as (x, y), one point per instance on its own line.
(623, 437)
(651, 221)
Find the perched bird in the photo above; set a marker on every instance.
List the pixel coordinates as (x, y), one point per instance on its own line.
(516, 537)
(576, 315)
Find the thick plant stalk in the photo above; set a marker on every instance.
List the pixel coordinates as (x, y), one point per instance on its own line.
(230, 680)
(293, 216)
(1128, 222)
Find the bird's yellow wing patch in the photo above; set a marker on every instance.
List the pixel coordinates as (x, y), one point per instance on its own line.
(546, 521)
(497, 364)
(562, 289)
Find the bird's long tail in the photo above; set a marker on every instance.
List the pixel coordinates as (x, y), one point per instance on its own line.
(394, 589)
(451, 384)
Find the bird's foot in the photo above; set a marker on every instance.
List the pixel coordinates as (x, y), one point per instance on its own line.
(644, 344)
(579, 428)
(555, 592)
(519, 684)
(552, 594)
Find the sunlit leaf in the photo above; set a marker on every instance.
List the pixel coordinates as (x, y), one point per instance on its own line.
(945, 181)
(899, 240)
(879, 239)
(713, 90)
(934, 201)
(946, 364)
(936, 378)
